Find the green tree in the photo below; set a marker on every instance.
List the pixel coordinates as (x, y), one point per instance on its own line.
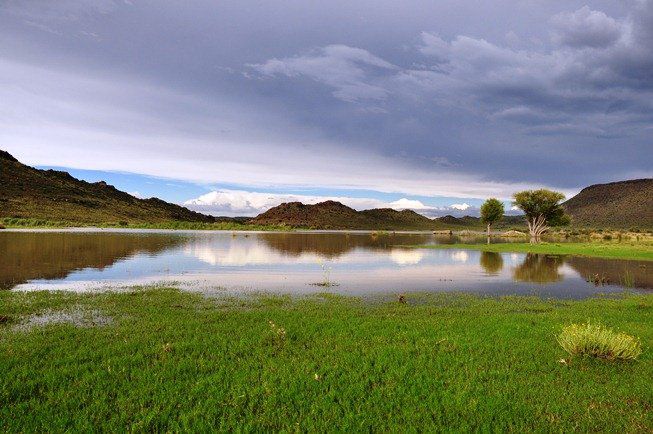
(491, 212)
(542, 209)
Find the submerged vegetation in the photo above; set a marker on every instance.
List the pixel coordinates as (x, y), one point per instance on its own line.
(171, 361)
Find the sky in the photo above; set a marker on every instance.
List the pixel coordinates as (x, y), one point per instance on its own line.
(232, 107)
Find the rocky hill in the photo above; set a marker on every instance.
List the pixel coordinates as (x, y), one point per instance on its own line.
(617, 205)
(57, 196)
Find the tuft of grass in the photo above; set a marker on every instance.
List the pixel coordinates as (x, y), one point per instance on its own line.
(628, 280)
(326, 279)
(595, 340)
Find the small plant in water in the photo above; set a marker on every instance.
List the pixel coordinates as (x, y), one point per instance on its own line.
(326, 273)
(598, 280)
(628, 280)
(595, 340)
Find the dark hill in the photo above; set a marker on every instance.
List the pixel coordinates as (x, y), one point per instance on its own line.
(324, 215)
(335, 215)
(618, 205)
(57, 196)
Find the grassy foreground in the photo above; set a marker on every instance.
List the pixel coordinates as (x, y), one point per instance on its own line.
(642, 251)
(167, 360)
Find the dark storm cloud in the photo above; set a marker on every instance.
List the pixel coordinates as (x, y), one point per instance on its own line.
(429, 98)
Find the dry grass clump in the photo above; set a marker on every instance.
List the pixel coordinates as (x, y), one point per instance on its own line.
(513, 233)
(595, 340)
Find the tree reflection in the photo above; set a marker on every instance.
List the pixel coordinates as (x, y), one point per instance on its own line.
(539, 268)
(491, 262)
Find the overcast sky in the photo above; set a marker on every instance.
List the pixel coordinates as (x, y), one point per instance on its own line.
(235, 106)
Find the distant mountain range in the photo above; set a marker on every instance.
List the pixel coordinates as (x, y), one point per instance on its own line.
(335, 215)
(30, 193)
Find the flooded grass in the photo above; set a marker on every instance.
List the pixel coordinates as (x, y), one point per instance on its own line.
(642, 251)
(76, 316)
(173, 361)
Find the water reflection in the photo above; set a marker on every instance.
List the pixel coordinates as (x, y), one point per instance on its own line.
(539, 268)
(637, 274)
(332, 245)
(491, 262)
(54, 255)
(291, 261)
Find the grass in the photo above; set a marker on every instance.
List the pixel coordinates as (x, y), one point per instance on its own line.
(171, 361)
(595, 340)
(10, 222)
(642, 251)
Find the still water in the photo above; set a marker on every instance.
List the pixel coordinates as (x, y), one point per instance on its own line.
(357, 263)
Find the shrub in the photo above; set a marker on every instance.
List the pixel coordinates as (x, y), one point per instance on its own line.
(598, 341)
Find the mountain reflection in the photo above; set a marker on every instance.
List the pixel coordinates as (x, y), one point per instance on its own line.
(332, 245)
(54, 255)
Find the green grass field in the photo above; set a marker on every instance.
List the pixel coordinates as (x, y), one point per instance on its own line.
(20, 223)
(642, 251)
(163, 360)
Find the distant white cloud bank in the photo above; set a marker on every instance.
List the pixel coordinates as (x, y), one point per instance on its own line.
(226, 202)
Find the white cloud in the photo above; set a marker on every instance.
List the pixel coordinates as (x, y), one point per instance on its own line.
(461, 206)
(586, 28)
(341, 67)
(136, 194)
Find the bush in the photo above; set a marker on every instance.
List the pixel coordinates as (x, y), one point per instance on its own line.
(598, 341)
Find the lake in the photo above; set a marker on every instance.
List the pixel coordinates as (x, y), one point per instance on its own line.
(297, 262)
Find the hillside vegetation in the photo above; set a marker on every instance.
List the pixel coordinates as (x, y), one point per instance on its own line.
(29, 193)
(335, 215)
(618, 205)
